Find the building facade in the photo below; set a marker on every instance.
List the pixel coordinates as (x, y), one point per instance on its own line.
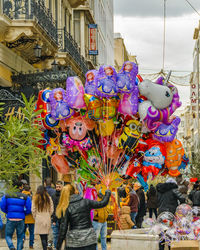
(120, 52)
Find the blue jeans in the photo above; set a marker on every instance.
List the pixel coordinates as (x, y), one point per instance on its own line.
(10, 228)
(55, 229)
(31, 233)
(101, 229)
(133, 215)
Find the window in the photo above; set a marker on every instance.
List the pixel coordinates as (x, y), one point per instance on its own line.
(77, 27)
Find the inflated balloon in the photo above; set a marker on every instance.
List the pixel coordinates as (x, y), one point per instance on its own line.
(130, 136)
(167, 133)
(166, 218)
(155, 111)
(106, 81)
(60, 163)
(161, 96)
(101, 108)
(183, 210)
(175, 153)
(129, 103)
(94, 107)
(106, 127)
(184, 163)
(43, 103)
(77, 135)
(59, 107)
(90, 84)
(90, 194)
(126, 78)
(154, 158)
(75, 93)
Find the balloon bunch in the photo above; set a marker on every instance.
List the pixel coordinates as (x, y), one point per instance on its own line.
(184, 225)
(115, 123)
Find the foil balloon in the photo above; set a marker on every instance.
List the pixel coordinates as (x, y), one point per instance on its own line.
(60, 163)
(154, 158)
(175, 153)
(59, 107)
(166, 218)
(101, 108)
(43, 103)
(126, 78)
(90, 84)
(167, 133)
(90, 194)
(106, 81)
(106, 127)
(130, 136)
(129, 103)
(77, 135)
(75, 93)
(184, 163)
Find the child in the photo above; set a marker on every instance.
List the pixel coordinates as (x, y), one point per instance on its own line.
(29, 221)
(125, 218)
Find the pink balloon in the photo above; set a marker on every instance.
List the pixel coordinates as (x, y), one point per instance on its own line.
(129, 103)
(75, 92)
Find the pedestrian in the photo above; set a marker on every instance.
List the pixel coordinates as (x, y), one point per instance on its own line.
(192, 194)
(51, 191)
(42, 209)
(125, 220)
(100, 222)
(182, 184)
(55, 222)
(76, 224)
(141, 206)
(152, 201)
(168, 199)
(132, 201)
(16, 206)
(48, 185)
(29, 221)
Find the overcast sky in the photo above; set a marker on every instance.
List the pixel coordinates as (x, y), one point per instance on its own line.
(140, 23)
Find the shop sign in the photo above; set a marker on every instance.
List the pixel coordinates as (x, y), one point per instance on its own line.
(93, 39)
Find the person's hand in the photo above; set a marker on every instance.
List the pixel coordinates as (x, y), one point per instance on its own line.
(54, 223)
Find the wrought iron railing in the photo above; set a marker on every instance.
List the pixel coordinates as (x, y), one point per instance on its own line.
(31, 9)
(69, 45)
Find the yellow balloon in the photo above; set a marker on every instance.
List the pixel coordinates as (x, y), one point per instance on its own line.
(106, 127)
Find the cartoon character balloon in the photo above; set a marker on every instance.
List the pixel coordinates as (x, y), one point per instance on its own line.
(126, 78)
(130, 136)
(77, 134)
(90, 84)
(75, 92)
(106, 81)
(154, 158)
(59, 107)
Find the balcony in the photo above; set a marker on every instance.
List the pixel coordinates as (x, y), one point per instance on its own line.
(30, 22)
(68, 45)
(76, 3)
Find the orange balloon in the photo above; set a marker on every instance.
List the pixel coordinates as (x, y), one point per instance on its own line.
(60, 164)
(174, 156)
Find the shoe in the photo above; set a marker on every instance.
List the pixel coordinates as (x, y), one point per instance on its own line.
(12, 248)
(31, 247)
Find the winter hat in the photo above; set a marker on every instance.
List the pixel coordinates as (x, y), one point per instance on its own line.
(171, 180)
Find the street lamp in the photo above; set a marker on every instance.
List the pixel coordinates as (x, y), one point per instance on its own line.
(37, 50)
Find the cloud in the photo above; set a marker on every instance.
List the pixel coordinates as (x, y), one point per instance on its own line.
(143, 37)
(152, 8)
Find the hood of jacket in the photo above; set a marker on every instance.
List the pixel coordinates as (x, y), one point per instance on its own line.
(75, 198)
(125, 210)
(164, 187)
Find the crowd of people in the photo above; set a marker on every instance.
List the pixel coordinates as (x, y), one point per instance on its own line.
(61, 216)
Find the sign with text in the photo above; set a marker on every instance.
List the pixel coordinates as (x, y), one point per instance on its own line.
(194, 91)
(93, 39)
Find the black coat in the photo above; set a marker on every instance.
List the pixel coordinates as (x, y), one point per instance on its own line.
(194, 196)
(168, 197)
(152, 201)
(77, 215)
(55, 199)
(142, 203)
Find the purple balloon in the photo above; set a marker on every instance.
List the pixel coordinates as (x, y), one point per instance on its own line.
(90, 84)
(60, 109)
(106, 82)
(126, 78)
(167, 133)
(75, 92)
